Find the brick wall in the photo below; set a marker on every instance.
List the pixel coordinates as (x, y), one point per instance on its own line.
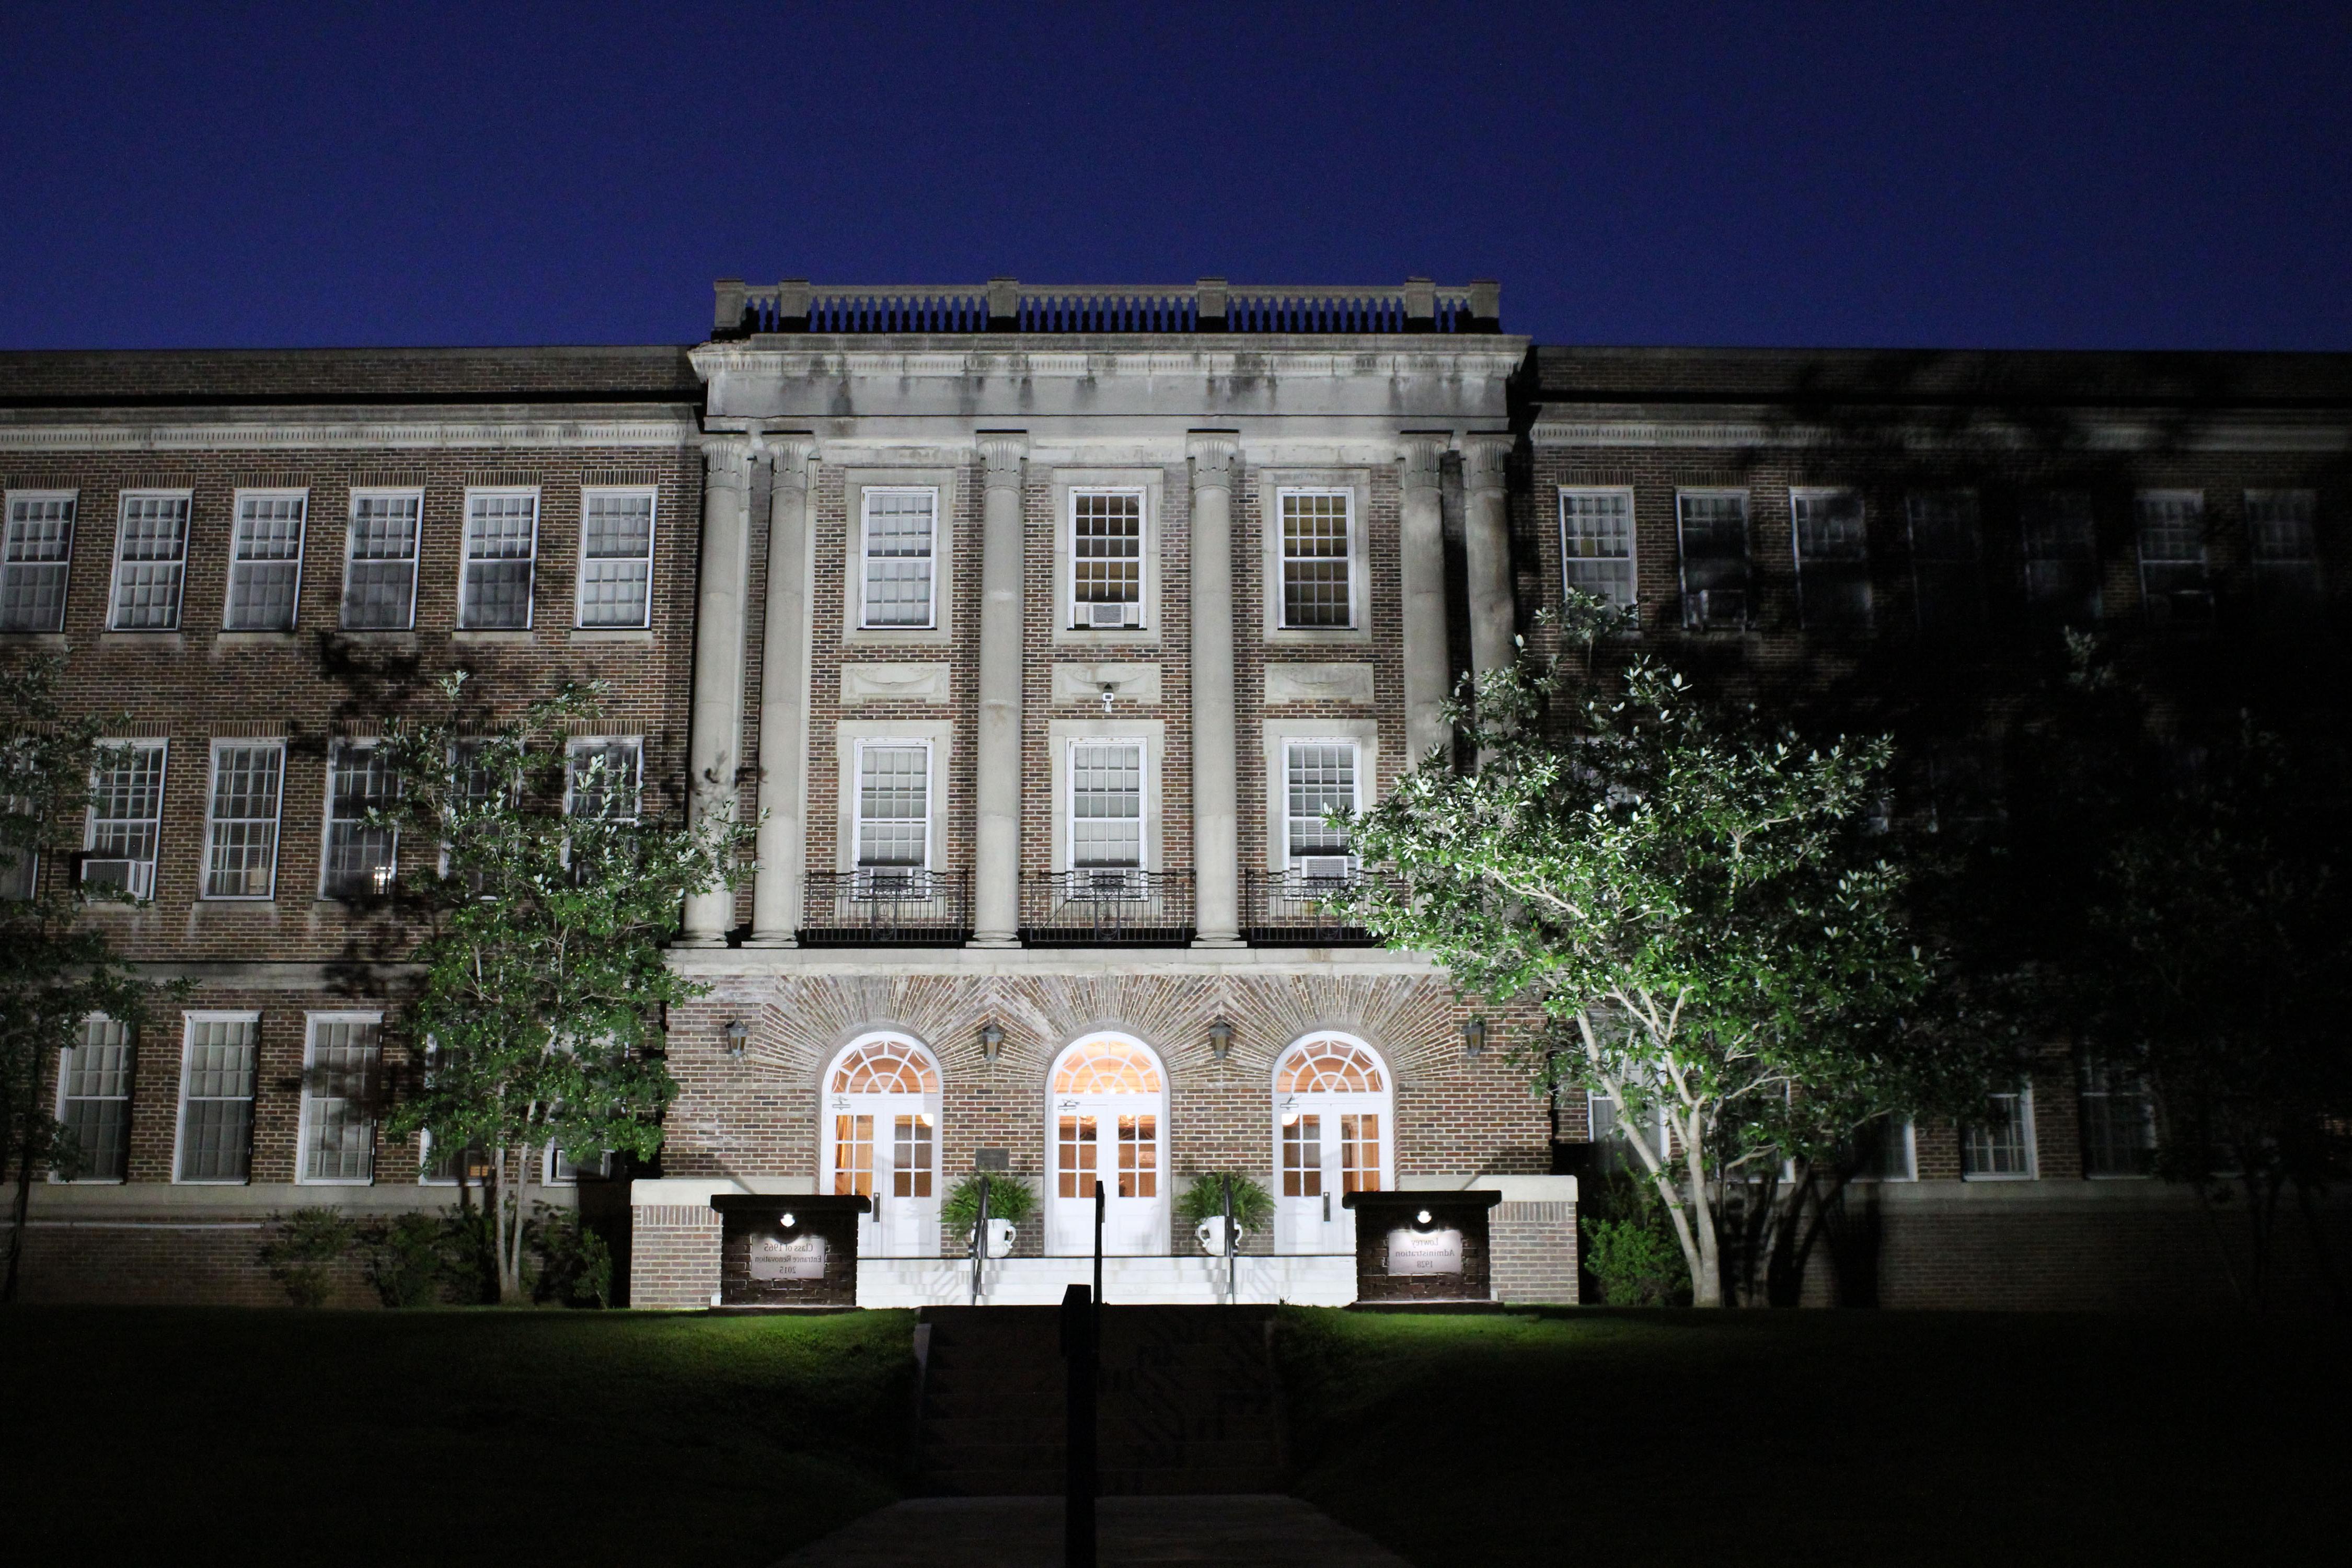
(1533, 1248)
(674, 1256)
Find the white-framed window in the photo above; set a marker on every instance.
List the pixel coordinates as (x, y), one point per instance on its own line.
(265, 561)
(603, 778)
(2118, 1121)
(1596, 543)
(1889, 1151)
(898, 548)
(340, 1061)
(1317, 545)
(126, 818)
(1712, 529)
(94, 1100)
(218, 1063)
(1319, 776)
(379, 561)
(2173, 583)
(893, 828)
(1106, 804)
(501, 553)
(2283, 544)
(241, 823)
(446, 1167)
(1999, 1146)
(359, 860)
(616, 558)
(151, 561)
(1947, 560)
(1833, 559)
(2062, 556)
(35, 554)
(1106, 558)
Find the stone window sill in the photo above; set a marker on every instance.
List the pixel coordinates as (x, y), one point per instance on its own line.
(34, 639)
(254, 639)
(612, 635)
(171, 641)
(487, 635)
(380, 636)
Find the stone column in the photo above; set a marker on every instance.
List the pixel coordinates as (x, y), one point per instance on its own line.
(1422, 558)
(716, 747)
(996, 860)
(776, 898)
(1216, 825)
(1486, 528)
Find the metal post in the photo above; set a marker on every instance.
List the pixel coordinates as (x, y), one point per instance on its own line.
(979, 1241)
(1232, 1295)
(1078, 1481)
(1098, 1224)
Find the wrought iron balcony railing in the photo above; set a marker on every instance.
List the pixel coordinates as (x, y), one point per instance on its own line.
(1008, 305)
(1291, 909)
(1107, 905)
(888, 906)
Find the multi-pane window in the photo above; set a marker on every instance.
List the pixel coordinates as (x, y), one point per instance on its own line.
(2001, 1144)
(1302, 1154)
(501, 549)
(602, 780)
(2172, 577)
(35, 554)
(1138, 1157)
(241, 857)
(1319, 776)
(2283, 543)
(151, 562)
(339, 1073)
(901, 529)
(910, 1155)
(1315, 558)
(126, 815)
(2061, 557)
(359, 859)
(1833, 560)
(1107, 558)
(1074, 1164)
(217, 1077)
(265, 561)
(1106, 804)
(1886, 1150)
(1360, 1151)
(1964, 779)
(2118, 1121)
(616, 558)
(1713, 526)
(1947, 561)
(894, 805)
(379, 561)
(450, 1166)
(1596, 545)
(94, 1100)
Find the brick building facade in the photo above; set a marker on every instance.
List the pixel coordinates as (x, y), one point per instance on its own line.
(1035, 627)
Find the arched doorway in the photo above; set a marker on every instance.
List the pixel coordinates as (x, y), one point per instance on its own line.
(1334, 1133)
(881, 1140)
(1107, 1121)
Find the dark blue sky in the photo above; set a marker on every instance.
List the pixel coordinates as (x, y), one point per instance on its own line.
(2044, 174)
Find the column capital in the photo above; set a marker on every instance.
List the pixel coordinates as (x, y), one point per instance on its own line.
(726, 462)
(1213, 453)
(790, 451)
(1422, 450)
(1483, 453)
(1001, 453)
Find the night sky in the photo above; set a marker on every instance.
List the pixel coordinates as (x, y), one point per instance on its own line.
(2045, 174)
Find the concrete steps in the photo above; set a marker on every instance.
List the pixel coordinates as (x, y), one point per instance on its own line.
(1187, 1402)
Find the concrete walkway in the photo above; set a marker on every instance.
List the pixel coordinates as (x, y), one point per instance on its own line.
(1026, 1532)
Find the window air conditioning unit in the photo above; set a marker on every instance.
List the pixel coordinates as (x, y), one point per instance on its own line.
(135, 878)
(1325, 869)
(1100, 616)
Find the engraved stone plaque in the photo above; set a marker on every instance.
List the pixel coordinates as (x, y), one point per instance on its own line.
(777, 1256)
(1424, 1251)
(991, 1159)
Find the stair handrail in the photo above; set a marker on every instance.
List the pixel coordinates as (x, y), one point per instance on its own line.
(1232, 1295)
(979, 1241)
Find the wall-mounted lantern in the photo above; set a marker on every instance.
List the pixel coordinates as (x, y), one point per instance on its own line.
(738, 1032)
(1474, 1037)
(1221, 1039)
(992, 1041)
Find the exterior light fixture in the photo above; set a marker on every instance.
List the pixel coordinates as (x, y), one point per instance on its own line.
(1109, 691)
(1221, 1039)
(992, 1041)
(1473, 1037)
(790, 1219)
(738, 1031)
(1421, 1218)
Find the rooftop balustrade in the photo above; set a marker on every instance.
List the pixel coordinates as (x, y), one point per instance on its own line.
(1008, 305)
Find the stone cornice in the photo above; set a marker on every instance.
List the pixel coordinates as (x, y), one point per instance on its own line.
(348, 429)
(1083, 358)
(2090, 430)
(719, 963)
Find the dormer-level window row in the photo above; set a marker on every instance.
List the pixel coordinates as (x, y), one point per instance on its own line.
(1945, 531)
(382, 535)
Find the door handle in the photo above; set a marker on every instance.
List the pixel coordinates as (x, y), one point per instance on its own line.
(1326, 1208)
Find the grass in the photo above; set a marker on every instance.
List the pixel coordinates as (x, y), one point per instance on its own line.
(142, 1433)
(1765, 1437)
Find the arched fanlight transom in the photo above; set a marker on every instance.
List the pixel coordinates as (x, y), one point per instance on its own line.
(1108, 1066)
(886, 1066)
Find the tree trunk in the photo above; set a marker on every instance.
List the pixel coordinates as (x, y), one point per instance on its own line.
(503, 1223)
(524, 1160)
(24, 1202)
(1707, 1281)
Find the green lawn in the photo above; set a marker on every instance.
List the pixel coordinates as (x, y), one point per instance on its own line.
(1765, 1437)
(523, 1437)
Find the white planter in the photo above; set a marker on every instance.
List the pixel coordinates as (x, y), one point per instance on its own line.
(999, 1237)
(1211, 1234)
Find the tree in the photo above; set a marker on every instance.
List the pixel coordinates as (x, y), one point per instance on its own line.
(54, 972)
(539, 1022)
(1718, 940)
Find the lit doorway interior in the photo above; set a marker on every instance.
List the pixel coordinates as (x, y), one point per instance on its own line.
(882, 1123)
(1334, 1133)
(1107, 1120)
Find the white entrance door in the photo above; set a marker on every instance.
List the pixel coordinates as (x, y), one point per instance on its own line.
(1108, 1123)
(882, 1140)
(1332, 1135)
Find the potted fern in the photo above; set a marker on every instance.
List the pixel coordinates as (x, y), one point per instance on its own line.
(1202, 1207)
(1010, 1201)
